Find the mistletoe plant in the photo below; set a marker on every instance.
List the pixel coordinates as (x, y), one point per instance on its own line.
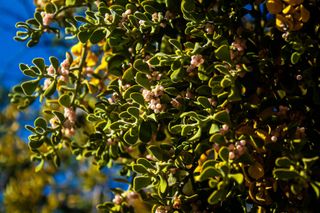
(208, 105)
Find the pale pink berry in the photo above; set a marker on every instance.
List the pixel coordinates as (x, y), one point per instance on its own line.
(301, 130)
(132, 197)
(117, 199)
(175, 103)
(161, 209)
(108, 18)
(274, 138)
(225, 127)
(216, 147)
(50, 70)
(64, 78)
(89, 70)
(239, 44)
(158, 106)
(110, 100)
(150, 157)
(209, 28)
(299, 77)
(231, 147)
(142, 22)
(110, 141)
(46, 83)
(196, 60)
(53, 122)
(70, 114)
(155, 17)
(231, 155)
(69, 132)
(126, 13)
(243, 142)
(240, 150)
(47, 18)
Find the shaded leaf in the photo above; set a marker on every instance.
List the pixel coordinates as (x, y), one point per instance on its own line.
(29, 87)
(141, 182)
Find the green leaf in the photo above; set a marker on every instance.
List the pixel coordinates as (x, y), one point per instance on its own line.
(209, 172)
(39, 62)
(138, 98)
(128, 75)
(226, 82)
(30, 128)
(224, 153)
(162, 185)
(39, 166)
(175, 43)
(133, 111)
(309, 162)
(141, 16)
(50, 8)
(56, 161)
(30, 72)
(130, 137)
(139, 168)
(141, 66)
(295, 57)
(283, 162)
(23, 67)
(142, 80)
(222, 53)
(130, 90)
(238, 177)
(98, 35)
(70, 2)
(105, 206)
(55, 62)
(141, 182)
(316, 189)
(35, 144)
(222, 69)
(177, 75)
(51, 89)
(114, 151)
(59, 115)
(222, 117)
(38, 17)
(156, 152)
(285, 174)
(115, 65)
(215, 197)
(146, 163)
(29, 87)
(234, 94)
(154, 61)
(145, 131)
(217, 138)
(40, 122)
(84, 36)
(187, 6)
(196, 136)
(65, 100)
(209, 163)
(186, 130)
(213, 129)
(204, 102)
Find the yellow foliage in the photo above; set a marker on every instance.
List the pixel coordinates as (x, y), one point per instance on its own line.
(274, 6)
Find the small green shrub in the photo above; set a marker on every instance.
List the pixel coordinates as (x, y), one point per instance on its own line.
(209, 105)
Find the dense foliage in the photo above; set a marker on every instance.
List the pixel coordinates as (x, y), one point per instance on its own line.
(208, 105)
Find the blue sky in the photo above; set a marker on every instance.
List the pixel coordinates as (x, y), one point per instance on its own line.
(12, 52)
